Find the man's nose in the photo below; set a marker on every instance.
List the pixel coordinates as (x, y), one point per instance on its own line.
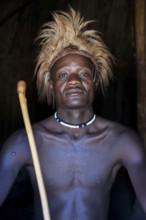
(74, 78)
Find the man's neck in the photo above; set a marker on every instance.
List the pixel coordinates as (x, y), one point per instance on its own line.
(77, 125)
(75, 116)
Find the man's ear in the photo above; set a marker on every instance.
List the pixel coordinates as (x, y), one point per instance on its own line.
(51, 90)
(50, 84)
(96, 85)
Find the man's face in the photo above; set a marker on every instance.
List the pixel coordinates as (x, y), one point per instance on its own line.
(72, 82)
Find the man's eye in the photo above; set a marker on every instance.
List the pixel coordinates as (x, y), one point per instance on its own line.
(85, 75)
(62, 75)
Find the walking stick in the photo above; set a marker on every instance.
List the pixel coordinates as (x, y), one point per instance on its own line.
(21, 89)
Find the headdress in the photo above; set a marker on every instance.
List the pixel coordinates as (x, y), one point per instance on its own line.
(67, 34)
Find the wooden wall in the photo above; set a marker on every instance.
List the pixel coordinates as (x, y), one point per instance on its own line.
(140, 36)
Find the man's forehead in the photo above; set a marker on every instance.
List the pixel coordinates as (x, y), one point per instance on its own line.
(73, 60)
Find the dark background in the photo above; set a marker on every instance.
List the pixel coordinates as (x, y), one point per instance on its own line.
(20, 22)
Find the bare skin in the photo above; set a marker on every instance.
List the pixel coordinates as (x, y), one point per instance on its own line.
(79, 165)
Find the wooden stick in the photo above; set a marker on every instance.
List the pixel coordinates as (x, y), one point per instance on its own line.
(21, 89)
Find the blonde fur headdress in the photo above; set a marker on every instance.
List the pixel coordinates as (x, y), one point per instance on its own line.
(67, 34)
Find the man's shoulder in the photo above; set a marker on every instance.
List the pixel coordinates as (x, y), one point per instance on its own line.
(44, 124)
(120, 131)
(111, 126)
(126, 142)
(17, 137)
(15, 149)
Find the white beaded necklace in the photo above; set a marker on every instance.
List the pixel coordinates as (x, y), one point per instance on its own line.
(82, 125)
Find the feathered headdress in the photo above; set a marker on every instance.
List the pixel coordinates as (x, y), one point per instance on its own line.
(67, 34)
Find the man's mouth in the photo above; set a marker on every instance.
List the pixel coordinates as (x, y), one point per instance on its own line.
(74, 91)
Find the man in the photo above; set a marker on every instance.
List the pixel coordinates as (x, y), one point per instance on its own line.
(80, 153)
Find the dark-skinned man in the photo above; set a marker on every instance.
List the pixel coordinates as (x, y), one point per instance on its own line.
(80, 153)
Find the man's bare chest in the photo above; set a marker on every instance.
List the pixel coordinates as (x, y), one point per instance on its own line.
(77, 163)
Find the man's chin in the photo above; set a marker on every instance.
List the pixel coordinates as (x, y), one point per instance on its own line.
(76, 102)
(75, 105)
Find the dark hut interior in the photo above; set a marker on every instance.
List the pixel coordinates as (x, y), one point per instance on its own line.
(124, 101)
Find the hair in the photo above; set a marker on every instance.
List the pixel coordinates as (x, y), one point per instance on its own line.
(68, 34)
